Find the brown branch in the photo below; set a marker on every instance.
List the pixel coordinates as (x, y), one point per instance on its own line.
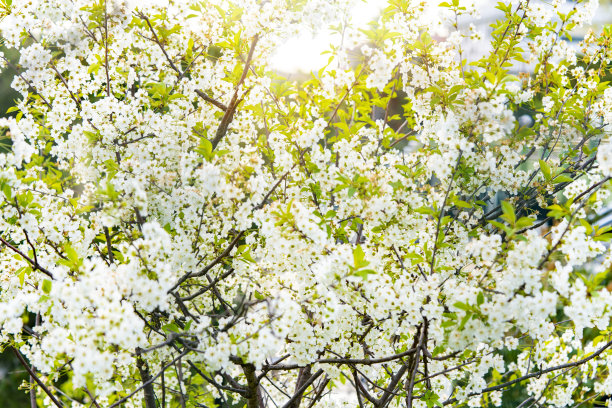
(303, 376)
(254, 398)
(442, 358)
(32, 262)
(348, 361)
(92, 398)
(35, 377)
(346, 94)
(319, 393)
(159, 43)
(76, 100)
(572, 217)
(163, 390)
(32, 393)
(210, 100)
(178, 369)
(535, 374)
(415, 366)
(149, 381)
(231, 109)
(439, 223)
(127, 142)
(214, 262)
(31, 87)
(145, 377)
(360, 388)
(207, 287)
(108, 245)
(457, 367)
(389, 391)
(235, 387)
(298, 393)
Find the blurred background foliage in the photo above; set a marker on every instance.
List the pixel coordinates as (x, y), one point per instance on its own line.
(12, 375)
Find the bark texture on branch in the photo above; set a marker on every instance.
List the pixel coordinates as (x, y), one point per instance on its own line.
(145, 377)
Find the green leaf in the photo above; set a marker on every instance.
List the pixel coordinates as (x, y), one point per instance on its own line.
(6, 189)
(524, 222)
(171, 327)
(465, 320)
(46, 286)
(415, 258)
(508, 211)
(603, 237)
(205, 148)
(562, 178)
(586, 225)
(431, 399)
(556, 211)
(359, 257)
(71, 253)
(258, 295)
(21, 272)
(463, 204)
(363, 273)
(501, 226)
(545, 170)
(425, 210)
(462, 306)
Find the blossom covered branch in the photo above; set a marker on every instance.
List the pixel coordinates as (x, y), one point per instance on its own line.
(181, 226)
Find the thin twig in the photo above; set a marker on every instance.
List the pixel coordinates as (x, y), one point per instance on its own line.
(535, 374)
(34, 264)
(148, 382)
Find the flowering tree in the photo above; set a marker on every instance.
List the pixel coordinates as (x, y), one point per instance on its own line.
(182, 228)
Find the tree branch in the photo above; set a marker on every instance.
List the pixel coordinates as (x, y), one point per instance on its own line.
(536, 374)
(35, 377)
(210, 100)
(149, 381)
(231, 109)
(299, 392)
(34, 264)
(145, 377)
